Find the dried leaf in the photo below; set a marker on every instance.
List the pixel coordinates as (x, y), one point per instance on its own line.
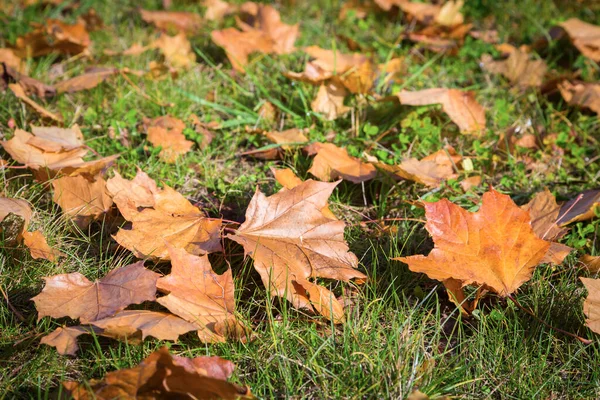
(291, 241)
(583, 94)
(431, 170)
(73, 295)
(18, 91)
(10, 59)
(198, 295)
(289, 136)
(86, 81)
(30, 86)
(591, 263)
(16, 206)
(580, 208)
(584, 36)
(330, 101)
(494, 247)
(332, 162)
(39, 248)
(64, 339)
(518, 68)
(591, 306)
(461, 106)
(446, 15)
(216, 10)
(177, 50)
(239, 45)
(160, 216)
(173, 20)
(167, 132)
(54, 37)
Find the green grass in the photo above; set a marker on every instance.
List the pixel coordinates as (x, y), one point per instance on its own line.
(402, 333)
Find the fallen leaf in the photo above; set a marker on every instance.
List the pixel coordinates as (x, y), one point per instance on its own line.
(53, 37)
(91, 20)
(160, 376)
(39, 248)
(64, 339)
(591, 306)
(239, 45)
(177, 50)
(54, 139)
(494, 247)
(216, 10)
(89, 80)
(268, 112)
(580, 208)
(290, 241)
(584, 36)
(198, 295)
(329, 101)
(173, 20)
(289, 136)
(518, 68)
(387, 5)
(461, 106)
(332, 162)
(431, 170)
(30, 86)
(160, 216)
(591, 263)
(83, 200)
(446, 15)
(582, 94)
(10, 59)
(18, 91)
(167, 132)
(16, 206)
(74, 296)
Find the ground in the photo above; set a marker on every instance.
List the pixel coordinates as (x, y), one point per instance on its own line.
(401, 333)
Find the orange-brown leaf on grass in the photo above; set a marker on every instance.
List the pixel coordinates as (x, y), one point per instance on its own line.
(160, 216)
(460, 105)
(264, 33)
(285, 139)
(329, 101)
(519, 68)
(18, 91)
(177, 50)
(73, 295)
(30, 85)
(15, 215)
(216, 10)
(89, 80)
(11, 59)
(200, 296)
(494, 247)
(167, 132)
(543, 211)
(591, 306)
(580, 208)
(582, 94)
(446, 15)
(38, 246)
(64, 339)
(431, 170)
(591, 263)
(584, 36)
(176, 20)
(53, 37)
(161, 376)
(332, 162)
(291, 240)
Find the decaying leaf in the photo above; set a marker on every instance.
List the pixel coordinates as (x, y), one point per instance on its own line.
(18, 207)
(290, 241)
(582, 94)
(18, 91)
(10, 59)
(494, 247)
(431, 170)
(461, 106)
(38, 246)
(216, 10)
(159, 217)
(177, 50)
(591, 306)
(30, 85)
(332, 162)
(198, 295)
(161, 376)
(176, 20)
(89, 80)
(167, 132)
(580, 208)
(447, 15)
(82, 199)
(591, 263)
(53, 37)
(329, 101)
(64, 339)
(73, 295)
(584, 36)
(518, 68)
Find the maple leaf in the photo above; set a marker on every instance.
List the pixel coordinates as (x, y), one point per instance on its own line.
(580, 208)
(461, 106)
(177, 50)
(200, 296)
(167, 132)
(30, 86)
(290, 241)
(332, 162)
(73, 295)
(584, 36)
(53, 36)
(494, 247)
(591, 306)
(89, 80)
(64, 339)
(160, 376)
(446, 15)
(19, 92)
(591, 263)
(518, 68)
(11, 60)
(38, 246)
(329, 101)
(164, 216)
(583, 94)
(18, 207)
(177, 20)
(216, 10)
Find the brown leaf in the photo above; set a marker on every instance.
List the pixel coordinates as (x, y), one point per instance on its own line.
(18, 91)
(431, 170)
(580, 208)
(177, 50)
(10, 59)
(268, 112)
(161, 376)
(173, 20)
(494, 247)
(86, 81)
(591, 263)
(290, 241)
(30, 86)
(54, 37)
(16, 206)
(239, 45)
(461, 106)
(584, 36)
(582, 94)
(45, 151)
(73, 295)
(199, 296)
(332, 162)
(330, 101)
(518, 68)
(216, 10)
(591, 306)
(470, 182)
(163, 216)
(64, 339)
(38, 247)
(167, 132)
(81, 199)
(289, 136)
(446, 15)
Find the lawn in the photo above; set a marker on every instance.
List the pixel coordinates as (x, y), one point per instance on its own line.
(401, 333)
